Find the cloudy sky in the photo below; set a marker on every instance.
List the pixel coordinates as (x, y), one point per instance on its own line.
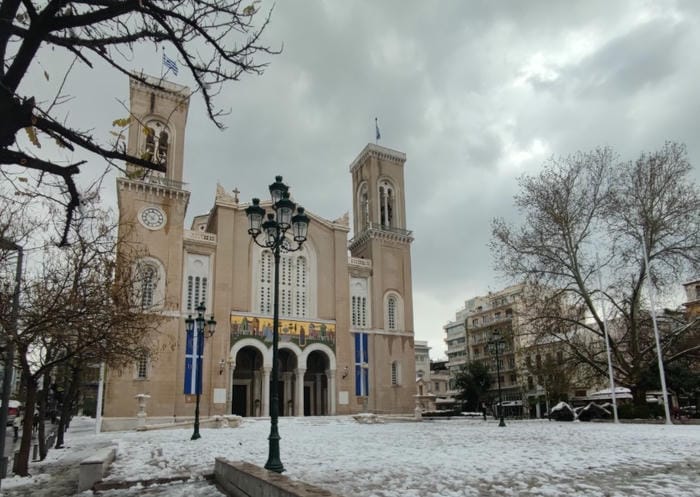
(475, 93)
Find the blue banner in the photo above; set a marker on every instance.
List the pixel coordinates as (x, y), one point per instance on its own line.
(193, 363)
(361, 365)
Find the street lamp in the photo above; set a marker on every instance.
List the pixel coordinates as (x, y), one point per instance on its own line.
(496, 344)
(274, 230)
(195, 348)
(9, 349)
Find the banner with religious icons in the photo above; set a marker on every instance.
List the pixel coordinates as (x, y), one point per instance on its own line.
(291, 330)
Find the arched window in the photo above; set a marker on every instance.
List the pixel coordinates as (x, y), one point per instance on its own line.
(359, 309)
(196, 282)
(149, 284)
(142, 367)
(157, 143)
(294, 296)
(363, 206)
(386, 204)
(393, 312)
(265, 283)
(395, 373)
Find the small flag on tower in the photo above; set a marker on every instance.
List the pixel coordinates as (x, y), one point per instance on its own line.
(170, 64)
(376, 128)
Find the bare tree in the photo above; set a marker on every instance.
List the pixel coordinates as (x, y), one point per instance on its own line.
(77, 310)
(589, 214)
(217, 41)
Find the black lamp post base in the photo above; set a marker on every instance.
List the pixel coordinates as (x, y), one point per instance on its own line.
(502, 422)
(275, 466)
(196, 436)
(274, 463)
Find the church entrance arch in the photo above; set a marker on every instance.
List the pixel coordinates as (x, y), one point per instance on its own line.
(247, 382)
(316, 384)
(287, 364)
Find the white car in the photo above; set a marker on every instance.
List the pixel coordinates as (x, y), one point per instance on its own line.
(12, 411)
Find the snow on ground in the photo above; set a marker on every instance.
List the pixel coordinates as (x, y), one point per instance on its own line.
(433, 458)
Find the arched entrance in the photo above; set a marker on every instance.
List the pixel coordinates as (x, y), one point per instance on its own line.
(316, 383)
(247, 383)
(306, 385)
(287, 363)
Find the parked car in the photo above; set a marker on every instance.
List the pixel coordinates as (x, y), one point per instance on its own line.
(12, 410)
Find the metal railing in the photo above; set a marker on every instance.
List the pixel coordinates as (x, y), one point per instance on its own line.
(200, 236)
(357, 261)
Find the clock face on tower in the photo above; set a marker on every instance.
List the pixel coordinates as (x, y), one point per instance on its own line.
(152, 218)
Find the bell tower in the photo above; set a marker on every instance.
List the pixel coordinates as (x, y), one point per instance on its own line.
(152, 207)
(381, 239)
(153, 204)
(157, 131)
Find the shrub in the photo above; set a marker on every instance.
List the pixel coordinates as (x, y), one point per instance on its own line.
(648, 411)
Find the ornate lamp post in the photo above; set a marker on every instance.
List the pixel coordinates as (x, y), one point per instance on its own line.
(195, 347)
(274, 237)
(496, 344)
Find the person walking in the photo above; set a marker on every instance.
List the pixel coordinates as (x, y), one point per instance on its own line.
(16, 424)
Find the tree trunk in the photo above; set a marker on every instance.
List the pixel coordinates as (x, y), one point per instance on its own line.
(70, 394)
(22, 467)
(639, 396)
(43, 401)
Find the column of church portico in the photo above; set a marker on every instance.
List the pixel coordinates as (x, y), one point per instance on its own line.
(318, 383)
(231, 367)
(287, 378)
(265, 398)
(255, 392)
(330, 374)
(299, 392)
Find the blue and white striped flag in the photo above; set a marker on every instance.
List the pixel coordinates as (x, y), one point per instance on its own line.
(194, 351)
(170, 64)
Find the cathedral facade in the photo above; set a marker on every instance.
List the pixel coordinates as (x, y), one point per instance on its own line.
(346, 310)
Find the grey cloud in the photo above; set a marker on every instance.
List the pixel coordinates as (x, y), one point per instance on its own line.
(644, 57)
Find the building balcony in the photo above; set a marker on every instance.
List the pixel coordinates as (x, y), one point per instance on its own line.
(376, 230)
(359, 262)
(488, 321)
(200, 236)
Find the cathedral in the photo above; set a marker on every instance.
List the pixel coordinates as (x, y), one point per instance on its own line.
(346, 338)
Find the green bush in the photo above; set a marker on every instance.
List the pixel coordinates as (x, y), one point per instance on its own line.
(89, 407)
(649, 411)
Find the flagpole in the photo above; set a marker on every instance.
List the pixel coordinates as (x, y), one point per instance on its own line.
(613, 393)
(659, 353)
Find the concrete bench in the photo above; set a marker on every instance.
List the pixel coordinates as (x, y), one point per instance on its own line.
(93, 468)
(242, 479)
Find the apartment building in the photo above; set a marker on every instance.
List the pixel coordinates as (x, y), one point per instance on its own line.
(496, 314)
(456, 341)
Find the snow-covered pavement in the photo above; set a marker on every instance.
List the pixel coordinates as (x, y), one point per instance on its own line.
(432, 458)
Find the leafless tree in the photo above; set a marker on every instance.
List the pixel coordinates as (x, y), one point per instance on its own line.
(217, 41)
(77, 310)
(588, 215)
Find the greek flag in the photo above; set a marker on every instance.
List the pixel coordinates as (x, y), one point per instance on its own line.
(194, 349)
(376, 128)
(170, 64)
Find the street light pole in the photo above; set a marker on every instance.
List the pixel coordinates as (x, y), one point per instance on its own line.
(495, 344)
(195, 338)
(275, 239)
(10, 349)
